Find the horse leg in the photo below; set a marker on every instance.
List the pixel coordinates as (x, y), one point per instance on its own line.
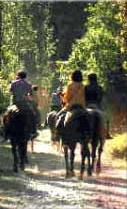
(89, 169)
(66, 160)
(72, 156)
(100, 150)
(82, 168)
(32, 145)
(85, 153)
(22, 154)
(25, 152)
(14, 153)
(94, 147)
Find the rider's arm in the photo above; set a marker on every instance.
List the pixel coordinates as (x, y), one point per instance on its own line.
(68, 94)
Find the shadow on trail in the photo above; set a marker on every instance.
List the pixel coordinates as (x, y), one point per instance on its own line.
(46, 161)
(49, 160)
(43, 183)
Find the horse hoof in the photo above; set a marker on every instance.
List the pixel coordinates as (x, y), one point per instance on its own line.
(22, 167)
(68, 175)
(26, 161)
(89, 172)
(15, 169)
(72, 173)
(98, 170)
(80, 177)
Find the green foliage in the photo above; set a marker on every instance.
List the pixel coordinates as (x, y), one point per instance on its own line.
(27, 38)
(27, 41)
(4, 93)
(99, 49)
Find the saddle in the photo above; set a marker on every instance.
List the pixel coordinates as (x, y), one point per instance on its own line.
(75, 112)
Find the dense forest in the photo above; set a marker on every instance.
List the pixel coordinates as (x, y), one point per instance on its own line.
(50, 40)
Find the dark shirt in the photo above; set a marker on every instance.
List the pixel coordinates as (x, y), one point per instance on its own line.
(20, 89)
(93, 94)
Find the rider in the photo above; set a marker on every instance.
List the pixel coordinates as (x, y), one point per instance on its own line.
(74, 92)
(34, 105)
(93, 92)
(56, 103)
(94, 95)
(21, 91)
(73, 96)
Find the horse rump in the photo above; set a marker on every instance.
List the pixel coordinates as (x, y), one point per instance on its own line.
(14, 121)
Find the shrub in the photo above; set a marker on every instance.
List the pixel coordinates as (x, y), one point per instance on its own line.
(118, 146)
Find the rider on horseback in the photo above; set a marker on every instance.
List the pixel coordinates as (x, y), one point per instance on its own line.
(74, 93)
(73, 98)
(21, 91)
(93, 92)
(94, 95)
(56, 103)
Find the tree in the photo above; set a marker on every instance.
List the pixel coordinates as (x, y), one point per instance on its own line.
(99, 49)
(27, 41)
(68, 20)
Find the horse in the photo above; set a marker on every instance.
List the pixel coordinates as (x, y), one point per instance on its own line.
(82, 128)
(73, 132)
(18, 130)
(97, 140)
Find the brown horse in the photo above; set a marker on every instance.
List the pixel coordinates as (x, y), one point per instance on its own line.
(83, 128)
(17, 129)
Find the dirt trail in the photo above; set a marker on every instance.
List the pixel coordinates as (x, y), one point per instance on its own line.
(43, 185)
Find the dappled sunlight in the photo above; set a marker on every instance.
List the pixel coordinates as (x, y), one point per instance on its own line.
(9, 202)
(34, 169)
(43, 183)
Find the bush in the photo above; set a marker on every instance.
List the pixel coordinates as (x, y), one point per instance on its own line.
(4, 93)
(4, 100)
(118, 147)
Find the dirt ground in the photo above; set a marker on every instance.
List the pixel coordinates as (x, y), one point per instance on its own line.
(43, 184)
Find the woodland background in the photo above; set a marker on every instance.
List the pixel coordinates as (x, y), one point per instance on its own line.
(51, 39)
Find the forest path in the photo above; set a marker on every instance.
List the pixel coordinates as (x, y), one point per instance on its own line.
(43, 184)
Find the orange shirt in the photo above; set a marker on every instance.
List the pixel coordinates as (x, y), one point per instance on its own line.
(74, 94)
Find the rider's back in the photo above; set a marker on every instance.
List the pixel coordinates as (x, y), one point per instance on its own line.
(93, 94)
(20, 89)
(74, 94)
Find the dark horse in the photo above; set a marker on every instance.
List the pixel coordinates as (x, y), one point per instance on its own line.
(18, 130)
(84, 128)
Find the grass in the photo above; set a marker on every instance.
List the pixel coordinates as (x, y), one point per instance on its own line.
(116, 150)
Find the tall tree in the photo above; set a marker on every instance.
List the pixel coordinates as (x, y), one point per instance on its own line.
(27, 37)
(99, 50)
(68, 20)
(26, 42)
